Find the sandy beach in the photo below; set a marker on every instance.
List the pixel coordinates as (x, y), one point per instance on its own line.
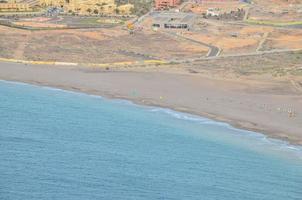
(272, 108)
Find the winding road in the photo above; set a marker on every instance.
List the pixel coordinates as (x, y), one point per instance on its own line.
(213, 50)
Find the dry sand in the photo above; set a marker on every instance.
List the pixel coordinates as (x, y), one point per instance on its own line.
(261, 107)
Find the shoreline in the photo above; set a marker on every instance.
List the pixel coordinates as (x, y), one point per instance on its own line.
(135, 96)
(228, 123)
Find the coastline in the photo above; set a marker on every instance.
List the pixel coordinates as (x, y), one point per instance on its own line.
(138, 87)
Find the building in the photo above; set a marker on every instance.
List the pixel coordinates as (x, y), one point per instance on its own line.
(215, 1)
(84, 7)
(57, 3)
(125, 9)
(80, 7)
(172, 20)
(87, 7)
(14, 6)
(31, 3)
(166, 4)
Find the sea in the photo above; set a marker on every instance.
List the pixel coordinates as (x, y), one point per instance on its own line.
(62, 145)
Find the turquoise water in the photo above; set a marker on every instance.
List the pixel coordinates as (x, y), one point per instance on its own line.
(62, 145)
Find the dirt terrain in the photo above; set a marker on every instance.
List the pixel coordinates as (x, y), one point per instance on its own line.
(276, 10)
(97, 46)
(252, 92)
(242, 38)
(271, 25)
(224, 7)
(117, 45)
(272, 67)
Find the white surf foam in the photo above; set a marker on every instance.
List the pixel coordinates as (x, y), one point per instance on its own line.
(260, 138)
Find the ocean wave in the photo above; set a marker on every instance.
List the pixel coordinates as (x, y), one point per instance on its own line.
(184, 116)
(259, 138)
(14, 82)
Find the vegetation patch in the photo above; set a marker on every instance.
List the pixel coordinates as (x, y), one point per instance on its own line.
(274, 23)
(141, 7)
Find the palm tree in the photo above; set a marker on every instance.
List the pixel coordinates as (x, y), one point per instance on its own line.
(89, 10)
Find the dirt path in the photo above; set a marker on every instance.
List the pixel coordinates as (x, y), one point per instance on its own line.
(297, 86)
(19, 52)
(265, 36)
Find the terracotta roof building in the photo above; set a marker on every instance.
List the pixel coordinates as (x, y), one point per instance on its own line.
(164, 4)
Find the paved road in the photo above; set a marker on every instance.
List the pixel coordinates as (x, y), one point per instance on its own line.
(210, 57)
(183, 5)
(248, 54)
(213, 50)
(140, 19)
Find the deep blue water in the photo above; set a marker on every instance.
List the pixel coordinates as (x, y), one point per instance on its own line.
(62, 145)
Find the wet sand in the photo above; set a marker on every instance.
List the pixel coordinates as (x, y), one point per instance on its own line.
(259, 106)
